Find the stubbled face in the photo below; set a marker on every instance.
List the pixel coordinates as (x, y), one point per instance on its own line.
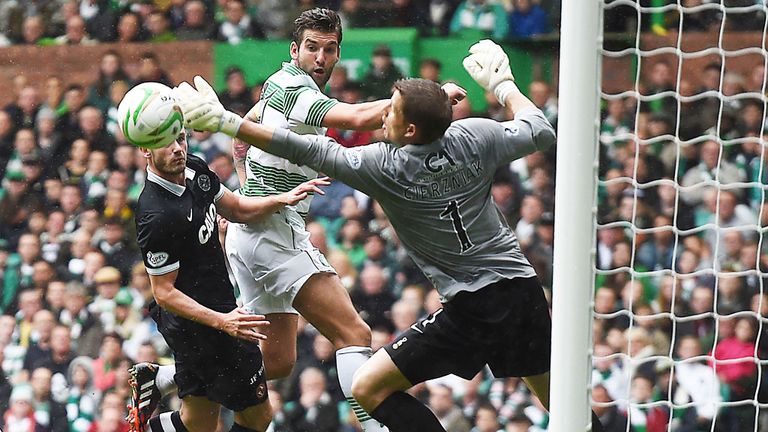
(171, 159)
(317, 55)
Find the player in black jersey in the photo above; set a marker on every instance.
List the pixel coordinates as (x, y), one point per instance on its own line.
(215, 343)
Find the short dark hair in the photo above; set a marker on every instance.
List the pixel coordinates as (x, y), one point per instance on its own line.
(319, 19)
(426, 105)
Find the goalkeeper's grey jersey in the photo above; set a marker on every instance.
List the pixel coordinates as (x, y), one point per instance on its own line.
(291, 100)
(438, 196)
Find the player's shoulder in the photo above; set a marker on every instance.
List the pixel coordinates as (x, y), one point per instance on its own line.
(196, 164)
(289, 80)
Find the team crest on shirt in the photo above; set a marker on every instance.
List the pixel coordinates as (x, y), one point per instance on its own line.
(157, 259)
(354, 157)
(204, 182)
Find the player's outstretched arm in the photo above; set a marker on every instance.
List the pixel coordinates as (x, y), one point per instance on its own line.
(361, 116)
(236, 323)
(238, 208)
(488, 65)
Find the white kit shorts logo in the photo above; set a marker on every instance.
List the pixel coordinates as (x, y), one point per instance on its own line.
(354, 157)
(156, 259)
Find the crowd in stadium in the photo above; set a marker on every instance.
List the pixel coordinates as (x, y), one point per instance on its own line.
(74, 292)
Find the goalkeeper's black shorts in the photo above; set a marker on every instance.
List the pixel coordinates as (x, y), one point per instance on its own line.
(505, 325)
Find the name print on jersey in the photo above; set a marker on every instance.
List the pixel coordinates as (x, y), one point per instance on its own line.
(206, 230)
(446, 176)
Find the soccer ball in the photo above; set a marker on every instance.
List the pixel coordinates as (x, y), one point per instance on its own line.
(149, 116)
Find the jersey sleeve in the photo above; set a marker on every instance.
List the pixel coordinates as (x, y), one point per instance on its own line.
(159, 242)
(503, 142)
(201, 168)
(306, 105)
(358, 167)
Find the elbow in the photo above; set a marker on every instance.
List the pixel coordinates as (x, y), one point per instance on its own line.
(545, 137)
(162, 296)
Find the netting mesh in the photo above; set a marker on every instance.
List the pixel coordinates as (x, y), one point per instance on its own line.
(680, 304)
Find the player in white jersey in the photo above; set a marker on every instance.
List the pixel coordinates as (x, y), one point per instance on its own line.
(434, 185)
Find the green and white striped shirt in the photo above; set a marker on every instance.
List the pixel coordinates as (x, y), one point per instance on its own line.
(290, 100)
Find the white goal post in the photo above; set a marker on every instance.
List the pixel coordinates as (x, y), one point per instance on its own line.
(578, 123)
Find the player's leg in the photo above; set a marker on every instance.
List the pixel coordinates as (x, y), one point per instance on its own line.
(325, 304)
(197, 414)
(254, 418)
(245, 261)
(379, 387)
(279, 349)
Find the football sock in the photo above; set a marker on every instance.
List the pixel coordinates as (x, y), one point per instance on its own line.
(167, 422)
(596, 425)
(348, 361)
(240, 428)
(402, 412)
(164, 380)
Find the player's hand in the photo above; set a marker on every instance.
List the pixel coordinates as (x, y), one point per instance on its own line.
(301, 191)
(455, 93)
(242, 325)
(488, 64)
(203, 110)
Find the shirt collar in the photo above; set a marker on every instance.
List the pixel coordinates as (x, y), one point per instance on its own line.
(171, 187)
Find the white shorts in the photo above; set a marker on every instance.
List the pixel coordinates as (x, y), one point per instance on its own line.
(272, 260)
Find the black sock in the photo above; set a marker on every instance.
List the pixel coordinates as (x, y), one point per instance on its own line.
(240, 428)
(596, 425)
(156, 423)
(401, 412)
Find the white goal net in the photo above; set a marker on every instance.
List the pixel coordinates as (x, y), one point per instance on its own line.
(680, 336)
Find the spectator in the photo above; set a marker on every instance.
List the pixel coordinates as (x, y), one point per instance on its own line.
(650, 419)
(67, 124)
(150, 69)
(371, 299)
(238, 24)
(741, 375)
(75, 33)
(486, 16)
(49, 414)
(23, 110)
(382, 74)
(611, 418)
(527, 19)
(82, 398)
(429, 68)
(33, 30)
(450, 416)
(159, 28)
(314, 410)
(195, 25)
(129, 28)
(21, 416)
(237, 92)
(105, 365)
(84, 327)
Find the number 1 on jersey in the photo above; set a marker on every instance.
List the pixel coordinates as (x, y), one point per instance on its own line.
(452, 210)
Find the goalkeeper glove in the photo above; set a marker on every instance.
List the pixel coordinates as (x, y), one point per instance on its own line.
(488, 65)
(203, 111)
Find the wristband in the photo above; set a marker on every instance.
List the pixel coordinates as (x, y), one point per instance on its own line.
(230, 123)
(503, 90)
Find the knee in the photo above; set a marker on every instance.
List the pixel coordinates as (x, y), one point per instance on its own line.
(357, 333)
(363, 388)
(277, 368)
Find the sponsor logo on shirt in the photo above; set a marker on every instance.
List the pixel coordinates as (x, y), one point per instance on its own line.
(156, 259)
(513, 130)
(206, 230)
(399, 343)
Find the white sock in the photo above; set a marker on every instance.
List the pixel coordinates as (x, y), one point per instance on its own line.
(348, 361)
(164, 380)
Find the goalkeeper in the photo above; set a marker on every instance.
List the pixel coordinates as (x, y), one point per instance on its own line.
(434, 185)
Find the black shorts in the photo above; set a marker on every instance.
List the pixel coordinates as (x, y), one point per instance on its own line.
(505, 325)
(212, 364)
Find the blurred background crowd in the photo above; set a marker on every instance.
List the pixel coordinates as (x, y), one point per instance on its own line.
(73, 291)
